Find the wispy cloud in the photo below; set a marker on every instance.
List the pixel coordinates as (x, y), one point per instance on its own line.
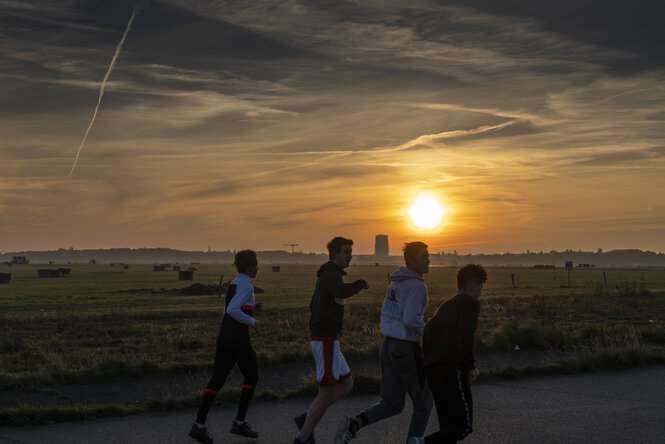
(427, 138)
(330, 115)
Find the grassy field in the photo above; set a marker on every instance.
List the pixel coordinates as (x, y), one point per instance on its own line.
(106, 322)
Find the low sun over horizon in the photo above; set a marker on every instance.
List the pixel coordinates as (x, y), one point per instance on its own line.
(427, 212)
(478, 126)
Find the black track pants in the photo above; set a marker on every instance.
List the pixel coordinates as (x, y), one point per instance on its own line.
(224, 362)
(454, 406)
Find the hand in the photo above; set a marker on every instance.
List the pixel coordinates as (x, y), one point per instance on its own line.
(257, 324)
(473, 374)
(258, 306)
(366, 284)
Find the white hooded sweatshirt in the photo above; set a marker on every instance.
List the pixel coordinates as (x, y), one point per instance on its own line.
(404, 306)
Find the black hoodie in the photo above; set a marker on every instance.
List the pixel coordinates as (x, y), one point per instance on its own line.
(327, 313)
(448, 336)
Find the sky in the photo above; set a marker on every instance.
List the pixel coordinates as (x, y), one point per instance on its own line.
(259, 123)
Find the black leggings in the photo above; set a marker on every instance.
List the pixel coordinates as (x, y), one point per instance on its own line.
(454, 406)
(224, 362)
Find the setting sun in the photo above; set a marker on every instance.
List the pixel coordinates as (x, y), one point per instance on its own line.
(427, 212)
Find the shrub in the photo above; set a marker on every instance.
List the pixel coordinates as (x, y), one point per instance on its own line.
(532, 335)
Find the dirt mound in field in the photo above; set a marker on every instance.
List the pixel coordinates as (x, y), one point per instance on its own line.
(199, 288)
(194, 289)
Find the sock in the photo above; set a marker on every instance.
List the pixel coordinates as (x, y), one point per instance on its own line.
(239, 422)
(301, 438)
(362, 420)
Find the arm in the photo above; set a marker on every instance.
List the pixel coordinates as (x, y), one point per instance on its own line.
(465, 335)
(244, 295)
(334, 284)
(414, 306)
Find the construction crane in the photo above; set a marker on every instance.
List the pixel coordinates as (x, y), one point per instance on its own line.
(293, 247)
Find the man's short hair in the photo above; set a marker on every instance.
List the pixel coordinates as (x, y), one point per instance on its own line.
(471, 273)
(412, 249)
(336, 244)
(245, 258)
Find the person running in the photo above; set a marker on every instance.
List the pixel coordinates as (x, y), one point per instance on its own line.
(234, 346)
(449, 361)
(325, 327)
(402, 326)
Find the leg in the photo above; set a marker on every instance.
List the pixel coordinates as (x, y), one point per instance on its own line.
(451, 392)
(441, 392)
(224, 362)
(327, 396)
(335, 381)
(393, 389)
(248, 367)
(419, 393)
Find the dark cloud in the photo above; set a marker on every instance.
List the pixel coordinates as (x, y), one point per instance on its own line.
(343, 172)
(484, 101)
(29, 98)
(29, 152)
(167, 34)
(213, 188)
(657, 151)
(634, 27)
(623, 157)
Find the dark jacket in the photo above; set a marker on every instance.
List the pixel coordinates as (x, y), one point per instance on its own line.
(234, 335)
(327, 304)
(448, 336)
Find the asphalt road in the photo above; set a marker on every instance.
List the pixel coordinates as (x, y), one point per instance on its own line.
(625, 406)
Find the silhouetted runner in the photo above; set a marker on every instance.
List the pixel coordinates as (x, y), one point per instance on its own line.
(234, 347)
(449, 361)
(402, 326)
(325, 327)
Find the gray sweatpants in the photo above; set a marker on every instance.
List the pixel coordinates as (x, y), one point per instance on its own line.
(401, 373)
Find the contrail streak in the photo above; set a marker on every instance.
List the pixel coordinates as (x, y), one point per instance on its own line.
(142, 4)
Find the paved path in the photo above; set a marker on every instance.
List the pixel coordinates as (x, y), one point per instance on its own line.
(625, 406)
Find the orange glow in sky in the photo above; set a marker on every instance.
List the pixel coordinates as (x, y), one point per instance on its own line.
(338, 119)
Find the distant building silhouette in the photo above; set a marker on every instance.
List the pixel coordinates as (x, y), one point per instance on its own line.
(185, 275)
(381, 245)
(59, 273)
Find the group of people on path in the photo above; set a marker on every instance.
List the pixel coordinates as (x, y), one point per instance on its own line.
(431, 361)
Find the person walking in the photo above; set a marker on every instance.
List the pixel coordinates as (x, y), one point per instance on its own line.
(402, 326)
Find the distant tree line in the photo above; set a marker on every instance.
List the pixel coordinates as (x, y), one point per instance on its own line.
(613, 258)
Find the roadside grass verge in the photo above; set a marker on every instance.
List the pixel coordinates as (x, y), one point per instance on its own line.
(31, 415)
(49, 352)
(597, 362)
(50, 349)
(363, 384)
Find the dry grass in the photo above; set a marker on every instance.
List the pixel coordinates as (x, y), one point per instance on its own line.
(89, 328)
